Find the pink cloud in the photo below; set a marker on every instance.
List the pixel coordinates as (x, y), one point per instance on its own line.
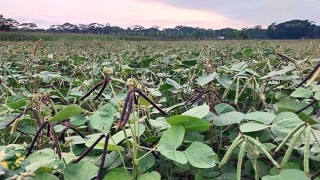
(124, 13)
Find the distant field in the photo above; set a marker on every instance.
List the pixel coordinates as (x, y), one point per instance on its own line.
(35, 36)
(222, 109)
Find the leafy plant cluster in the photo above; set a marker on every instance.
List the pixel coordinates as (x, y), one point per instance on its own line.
(159, 110)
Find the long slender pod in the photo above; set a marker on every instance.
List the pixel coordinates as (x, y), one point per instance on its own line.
(308, 76)
(14, 126)
(199, 96)
(151, 102)
(256, 142)
(291, 146)
(314, 76)
(36, 137)
(307, 106)
(55, 140)
(189, 100)
(306, 153)
(84, 153)
(35, 114)
(294, 130)
(234, 144)
(127, 115)
(103, 158)
(91, 90)
(18, 116)
(264, 150)
(240, 159)
(101, 90)
(124, 108)
(78, 132)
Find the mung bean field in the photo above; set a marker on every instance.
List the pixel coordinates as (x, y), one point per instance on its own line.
(151, 110)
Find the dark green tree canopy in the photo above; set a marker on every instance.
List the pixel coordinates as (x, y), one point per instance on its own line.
(294, 29)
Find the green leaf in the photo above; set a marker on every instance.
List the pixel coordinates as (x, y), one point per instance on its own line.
(239, 66)
(43, 154)
(43, 175)
(284, 123)
(153, 175)
(144, 103)
(224, 108)
(17, 104)
(112, 160)
(43, 164)
(103, 118)
(160, 123)
(170, 141)
(198, 112)
(173, 83)
(228, 118)
(4, 110)
(301, 93)
(263, 167)
(264, 117)
(301, 115)
(190, 63)
(78, 120)
(189, 123)
(155, 92)
(249, 71)
(317, 96)
(277, 73)
(263, 135)
(289, 165)
(225, 81)
(205, 79)
(288, 103)
(201, 155)
(67, 112)
(292, 174)
(147, 162)
(83, 169)
(118, 174)
(251, 127)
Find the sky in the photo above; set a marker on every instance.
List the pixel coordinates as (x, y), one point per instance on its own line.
(215, 14)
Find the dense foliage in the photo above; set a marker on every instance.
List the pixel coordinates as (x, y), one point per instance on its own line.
(160, 110)
(295, 29)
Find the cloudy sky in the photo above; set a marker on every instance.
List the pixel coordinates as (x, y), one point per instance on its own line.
(164, 13)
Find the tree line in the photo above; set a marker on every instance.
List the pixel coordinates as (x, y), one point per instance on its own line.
(294, 29)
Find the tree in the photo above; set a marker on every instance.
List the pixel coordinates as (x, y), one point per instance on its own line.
(28, 26)
(8, 24)
(244, 34)
(257, 32)
(137, 29)
(294, 29)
